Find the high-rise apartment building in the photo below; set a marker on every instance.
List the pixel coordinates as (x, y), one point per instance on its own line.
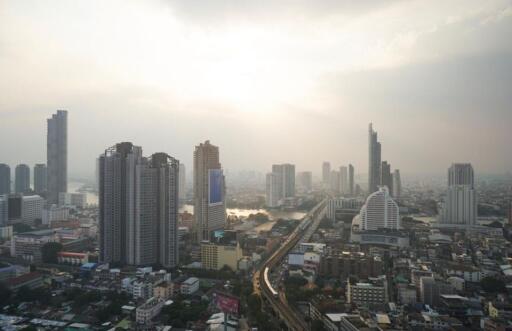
(344, 180)
(386, 178)
(374, 160)
(460, 205)
(273, 190)
(326, 173)
(397, 185)
(209, 191)
(22, 178)
(138, 207)
(335, 182)
(57, 155)
(286, 174)
(183, 183)
(40, 178)
(305, 180)
(380, 211)
(351, 188)
(5, 179)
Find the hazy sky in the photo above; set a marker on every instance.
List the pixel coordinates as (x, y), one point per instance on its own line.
(268, 81)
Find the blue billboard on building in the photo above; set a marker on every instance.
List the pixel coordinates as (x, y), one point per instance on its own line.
(215, 179)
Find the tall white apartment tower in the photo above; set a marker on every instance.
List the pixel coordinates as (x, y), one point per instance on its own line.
(273, 190)
(209, 191)
(374, 161)
(460, 205)
(57, 155)
(380, 211)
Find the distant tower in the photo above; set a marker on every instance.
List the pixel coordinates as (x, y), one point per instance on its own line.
(385, 176)
(40, 177)
(57, 155)
(380, 211)
(22, 178)
(209, 191)
(5, 179)
(460, 205)
(374, 160)
(351, 179)
(305, 180)
(326, 173)
(344, 180)
(397, 185)
(286, 176)
(273, 190)
(183, 183)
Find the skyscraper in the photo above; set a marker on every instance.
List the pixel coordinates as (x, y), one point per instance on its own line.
(138, 207)
(5, 179)
(326, 173)
(385, 175)
(40, 177)
(57, 155)
(209, 191)
(374, 160)
(286, 174)
(343, 180)
(183, 182)
(351, 179)
(397, 185)
(305, 180)
(335, 182)
(273, 189)
(22, 178)
(460, 205)
(380, 211)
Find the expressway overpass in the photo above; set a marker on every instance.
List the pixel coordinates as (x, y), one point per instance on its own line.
(261, 285)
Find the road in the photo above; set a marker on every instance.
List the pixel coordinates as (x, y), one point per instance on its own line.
(278, 302)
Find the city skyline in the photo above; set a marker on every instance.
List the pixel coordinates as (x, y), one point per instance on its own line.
(420, 79)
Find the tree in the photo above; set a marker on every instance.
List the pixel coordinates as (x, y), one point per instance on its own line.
(5, 294)
(50, 250)
(493, 285)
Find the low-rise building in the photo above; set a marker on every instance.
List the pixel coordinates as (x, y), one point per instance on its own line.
(215, 256)
(190, 286)
(375, 291)
(72, 258)
(31, 280)
(147, 311)
(27, 245)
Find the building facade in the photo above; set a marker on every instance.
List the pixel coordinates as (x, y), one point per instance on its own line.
(460, 205)
(40, 178)
(380, 211)
(57, 155)
(22, 178)
(5, 179)
(209, 191)
(374, 160)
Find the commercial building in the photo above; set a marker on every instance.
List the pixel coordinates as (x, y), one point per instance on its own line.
(147, 311)
(27, 245)
(72, 258)
(380, 212)
(344, 189)
(460, 204)
(215, 256)
(57, 155)
(54, 214)
(17, 208)
(5, 179)
(285, 179)
(22, 178)
(138, 207)
(374, 160)
(209, 191)
(338, 207)
(386, 179)
(40, 178)
(346, 264)
(373, 292)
